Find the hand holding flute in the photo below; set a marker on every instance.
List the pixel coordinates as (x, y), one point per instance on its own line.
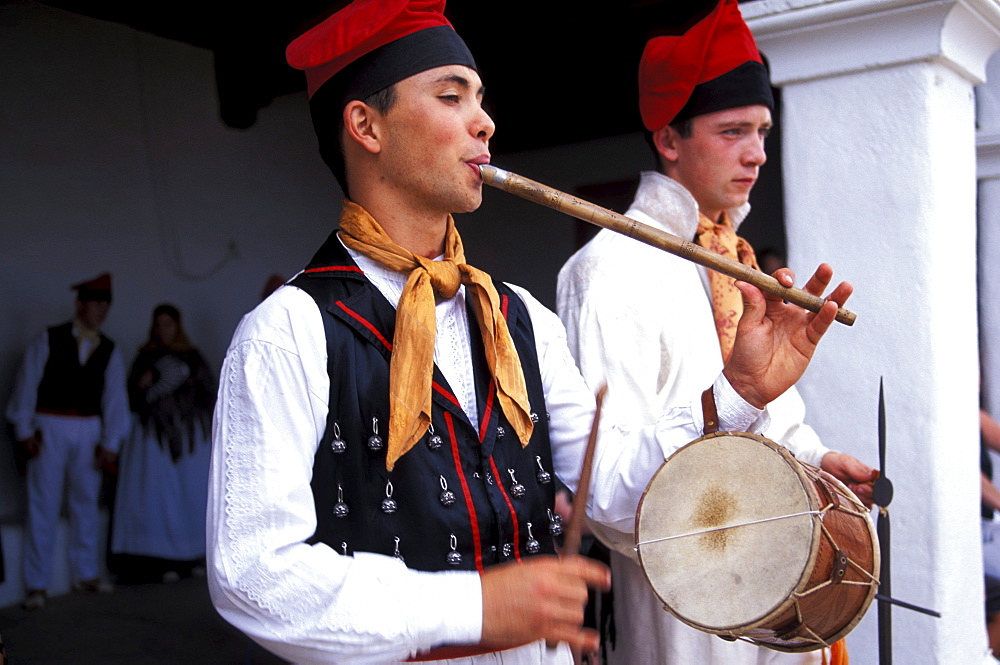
(775, 340)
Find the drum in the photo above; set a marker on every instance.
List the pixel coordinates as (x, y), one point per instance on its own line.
(738, 538)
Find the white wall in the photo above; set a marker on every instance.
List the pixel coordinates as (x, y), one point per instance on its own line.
(988, 143)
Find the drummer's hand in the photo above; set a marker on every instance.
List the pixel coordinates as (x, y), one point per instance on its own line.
(775, 340)
(854, 473)
(541, 598)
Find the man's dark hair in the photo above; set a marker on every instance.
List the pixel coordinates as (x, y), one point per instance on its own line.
(684, 129)
(327, 108)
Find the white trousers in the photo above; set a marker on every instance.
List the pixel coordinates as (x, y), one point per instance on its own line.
(66, 461)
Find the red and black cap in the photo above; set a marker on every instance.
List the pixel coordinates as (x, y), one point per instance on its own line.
(371, 44)
(98, 288)
(712, 67)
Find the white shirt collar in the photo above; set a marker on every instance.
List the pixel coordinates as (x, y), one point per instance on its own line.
(671, 205)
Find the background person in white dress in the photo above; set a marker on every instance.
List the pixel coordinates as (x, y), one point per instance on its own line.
(158, 531)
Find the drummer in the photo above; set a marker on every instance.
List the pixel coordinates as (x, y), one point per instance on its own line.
(390, 423)
(706, 102)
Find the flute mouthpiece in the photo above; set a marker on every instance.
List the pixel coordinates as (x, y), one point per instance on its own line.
(492, 175)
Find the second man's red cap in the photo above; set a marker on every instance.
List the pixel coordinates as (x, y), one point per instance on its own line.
(713, 66)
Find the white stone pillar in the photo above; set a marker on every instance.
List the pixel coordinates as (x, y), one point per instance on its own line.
(988, 171)
(879, 163)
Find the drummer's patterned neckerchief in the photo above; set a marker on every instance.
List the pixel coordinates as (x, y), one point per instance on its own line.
(727, 301)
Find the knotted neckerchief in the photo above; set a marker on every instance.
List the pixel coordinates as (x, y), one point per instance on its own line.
(412, 366)
(727, 301)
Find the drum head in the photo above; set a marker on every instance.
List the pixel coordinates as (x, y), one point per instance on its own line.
(731, 578)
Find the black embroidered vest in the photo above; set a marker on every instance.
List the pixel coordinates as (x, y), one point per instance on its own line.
(465, 495)
(67, 387)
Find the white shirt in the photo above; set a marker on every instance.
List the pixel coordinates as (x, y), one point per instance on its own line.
(308, 603)
(641, 320)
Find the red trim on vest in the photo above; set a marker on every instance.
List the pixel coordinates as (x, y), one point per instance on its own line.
(485, 420)
(473, 519)
(444, 393)
(510, 506)
(363, 321)
(335, 268)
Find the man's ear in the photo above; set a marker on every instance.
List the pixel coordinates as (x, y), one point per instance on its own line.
(361, 126)
(665, 140)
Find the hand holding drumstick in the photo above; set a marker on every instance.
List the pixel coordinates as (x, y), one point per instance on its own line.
(544, 598)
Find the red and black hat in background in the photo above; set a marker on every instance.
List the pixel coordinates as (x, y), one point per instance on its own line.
(712, 67)
(98, 288)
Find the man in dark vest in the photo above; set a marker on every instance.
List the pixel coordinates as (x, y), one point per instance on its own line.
(69, 410)
(390, 423)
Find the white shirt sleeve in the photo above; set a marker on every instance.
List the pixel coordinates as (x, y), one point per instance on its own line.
(306, 603)
(24, 398)
(788, 428)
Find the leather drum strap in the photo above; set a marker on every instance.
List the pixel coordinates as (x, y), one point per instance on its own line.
(708, 408)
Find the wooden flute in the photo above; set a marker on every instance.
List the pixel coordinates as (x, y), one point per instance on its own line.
(609, 219)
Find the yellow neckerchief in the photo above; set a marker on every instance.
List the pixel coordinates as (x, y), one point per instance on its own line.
(412, 365)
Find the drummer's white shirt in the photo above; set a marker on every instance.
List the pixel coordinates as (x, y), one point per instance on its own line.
(309, 604)
(617, 289)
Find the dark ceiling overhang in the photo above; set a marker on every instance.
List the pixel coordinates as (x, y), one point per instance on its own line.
(556, 71)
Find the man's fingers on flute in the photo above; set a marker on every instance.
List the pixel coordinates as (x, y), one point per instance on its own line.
(785, 275)
(840, 294)
(820, 280)
(753, 298)
(821, 322)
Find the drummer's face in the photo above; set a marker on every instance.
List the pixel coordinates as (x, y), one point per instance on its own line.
(719, 162)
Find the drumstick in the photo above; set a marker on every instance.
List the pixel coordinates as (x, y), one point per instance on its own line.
(608, 219)
(574, 532)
